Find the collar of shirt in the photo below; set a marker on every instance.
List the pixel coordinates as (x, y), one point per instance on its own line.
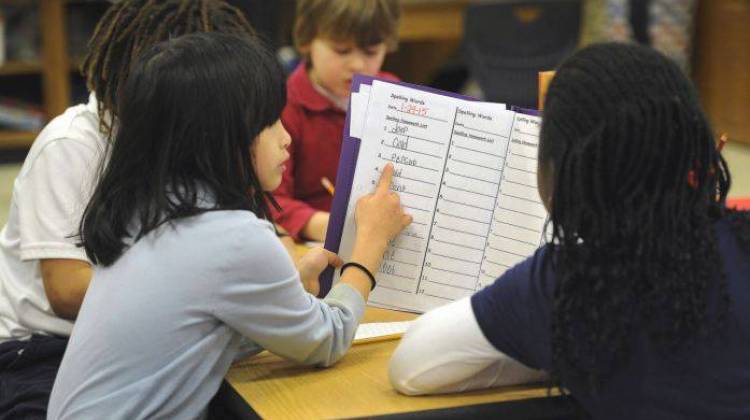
(302, 91)
(341, 103)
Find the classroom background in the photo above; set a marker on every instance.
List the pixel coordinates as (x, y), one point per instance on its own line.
(492, 49)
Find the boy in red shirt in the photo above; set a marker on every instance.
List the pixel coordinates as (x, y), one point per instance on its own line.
(337, 38)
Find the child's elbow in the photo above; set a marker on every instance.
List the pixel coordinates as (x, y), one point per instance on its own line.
(400, 380)
(326, 352)
(322, 358)
(404, 376)
(329, 361)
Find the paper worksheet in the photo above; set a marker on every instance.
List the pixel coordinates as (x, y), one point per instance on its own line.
(465, 171)
(375, 330)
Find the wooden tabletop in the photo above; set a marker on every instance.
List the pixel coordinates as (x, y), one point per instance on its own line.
(356, 386)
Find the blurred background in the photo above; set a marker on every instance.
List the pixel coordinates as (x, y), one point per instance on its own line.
(491, 49)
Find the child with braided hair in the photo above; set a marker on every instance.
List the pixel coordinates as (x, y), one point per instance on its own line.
(43, 274)
(639, 307)
(129, 27)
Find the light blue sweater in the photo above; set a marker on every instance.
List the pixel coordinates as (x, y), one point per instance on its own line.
(159, 328)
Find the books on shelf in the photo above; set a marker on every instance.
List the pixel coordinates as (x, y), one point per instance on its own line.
(16, 115)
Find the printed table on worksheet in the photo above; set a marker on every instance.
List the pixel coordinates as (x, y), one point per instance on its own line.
(466, 172)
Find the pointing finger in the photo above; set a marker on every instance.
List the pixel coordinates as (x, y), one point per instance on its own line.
(385, 179)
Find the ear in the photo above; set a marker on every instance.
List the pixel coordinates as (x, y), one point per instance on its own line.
(304, 49)
(251, 151)
(545, 177)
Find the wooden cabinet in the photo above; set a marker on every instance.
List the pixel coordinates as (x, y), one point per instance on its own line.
(722, 65)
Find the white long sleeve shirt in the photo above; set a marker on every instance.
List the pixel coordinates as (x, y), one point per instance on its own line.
(494, 337)
(445, 351)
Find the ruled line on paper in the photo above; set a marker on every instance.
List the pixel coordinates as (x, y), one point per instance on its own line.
(466, 172)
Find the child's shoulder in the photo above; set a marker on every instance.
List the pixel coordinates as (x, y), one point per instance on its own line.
(78, 123)
(300, 87)
(238, 235)
(245, 241)
(71, 136)
(297, 80)
(238, 223)
(301, 93)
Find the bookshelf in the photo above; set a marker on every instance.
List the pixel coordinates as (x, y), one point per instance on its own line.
(53, 67)
(14, 68)
(720, 48)
(11, 139)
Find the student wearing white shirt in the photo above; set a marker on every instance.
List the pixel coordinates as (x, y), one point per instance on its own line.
(43, 274)
(639, 307)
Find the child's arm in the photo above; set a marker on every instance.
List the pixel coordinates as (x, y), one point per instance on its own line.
(316, 226)
(445, 351)
(50, 197)
(489, 339)
(301, 220)
(65, 284)
(264, 300)
(289, 244)
(296, 214)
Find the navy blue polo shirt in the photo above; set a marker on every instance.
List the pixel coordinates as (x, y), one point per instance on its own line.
(709, 380)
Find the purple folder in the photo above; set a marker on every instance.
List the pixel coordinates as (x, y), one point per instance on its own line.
(345, 174)
(527, 111)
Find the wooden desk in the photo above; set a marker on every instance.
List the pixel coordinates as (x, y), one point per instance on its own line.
(357, 386)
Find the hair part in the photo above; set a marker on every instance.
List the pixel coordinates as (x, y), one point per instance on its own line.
(130, 26)
(193, 108)
(366, 22)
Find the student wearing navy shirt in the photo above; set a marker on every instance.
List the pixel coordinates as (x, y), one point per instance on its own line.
(639, 307)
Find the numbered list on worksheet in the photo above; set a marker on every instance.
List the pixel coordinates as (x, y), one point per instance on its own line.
(466, 172)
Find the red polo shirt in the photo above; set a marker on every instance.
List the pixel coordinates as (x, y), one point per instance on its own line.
(316, 126)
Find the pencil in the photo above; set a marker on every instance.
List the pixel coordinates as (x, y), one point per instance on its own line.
(327, 185)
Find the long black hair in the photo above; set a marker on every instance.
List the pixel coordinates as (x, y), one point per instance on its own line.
(131, 26)
(638, 185)
(188, 114)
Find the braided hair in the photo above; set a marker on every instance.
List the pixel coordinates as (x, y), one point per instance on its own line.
(637, 185)
(131, 26)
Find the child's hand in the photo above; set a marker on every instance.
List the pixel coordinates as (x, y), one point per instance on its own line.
(379, 218)
(379, 215)
(312, 264)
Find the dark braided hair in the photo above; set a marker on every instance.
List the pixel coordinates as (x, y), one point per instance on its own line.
(131, 26)
(633, 248)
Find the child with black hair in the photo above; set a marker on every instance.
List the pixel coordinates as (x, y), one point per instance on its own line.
(43, 274)
(187, 262)
(640, 305)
